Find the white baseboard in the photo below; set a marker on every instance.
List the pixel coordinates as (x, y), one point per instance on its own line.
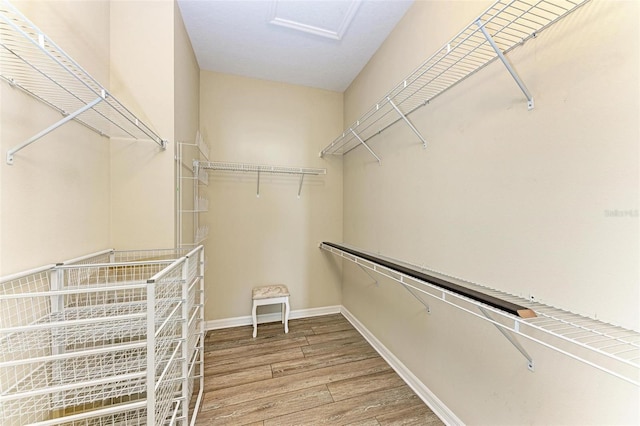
(437, 406)
(246, 320)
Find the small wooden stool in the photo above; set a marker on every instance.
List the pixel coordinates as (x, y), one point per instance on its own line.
(269, 295)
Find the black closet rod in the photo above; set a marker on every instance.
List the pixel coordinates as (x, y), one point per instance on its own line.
(503, 305)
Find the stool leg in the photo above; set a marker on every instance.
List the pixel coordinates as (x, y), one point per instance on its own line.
(286, 315)
(255, 320)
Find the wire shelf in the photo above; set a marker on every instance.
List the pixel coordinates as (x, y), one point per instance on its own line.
(508, 23)
(609, 348)
(32, 62)
(262, 168)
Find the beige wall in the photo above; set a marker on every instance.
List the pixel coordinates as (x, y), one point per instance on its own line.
(75, 192)
(272, 239)
(510, 198)
(142, 76)
(54, 200)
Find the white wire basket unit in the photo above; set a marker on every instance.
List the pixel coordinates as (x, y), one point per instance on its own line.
(118, 342)
(502, 27)
(606, 347)
(32, 62)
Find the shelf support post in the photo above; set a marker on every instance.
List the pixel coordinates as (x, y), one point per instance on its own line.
(300, 186)
(406, 120)
(511, 339)
(506, 63)
(366, 146)
(419, 299)
(12, 151)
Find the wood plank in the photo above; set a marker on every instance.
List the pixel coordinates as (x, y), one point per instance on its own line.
(294, 382)
(355, 386)
(420, 415)
(216, 367)
(331, 346)
(332, 327)
(337, 357)
(365, 422)
(247, 375)
(250, 341)
(267, 407)
(254, 350)
(321, 338)
(350, 410)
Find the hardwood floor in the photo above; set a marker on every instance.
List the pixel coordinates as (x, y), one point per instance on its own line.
(323, 372)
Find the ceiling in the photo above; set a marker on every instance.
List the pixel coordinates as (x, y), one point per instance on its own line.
(316, 43)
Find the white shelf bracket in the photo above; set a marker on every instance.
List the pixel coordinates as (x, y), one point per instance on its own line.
(418, 298)
(14, 150)
(366, 146)
(511, 339)
(368, 273)
(300, 186)
(506, 63)
(406, 120)
(258, 186)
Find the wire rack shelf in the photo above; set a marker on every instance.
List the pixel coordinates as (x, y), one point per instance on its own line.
(33, 63)
(502, 27)
(199, 166)
(84, 343)
(606, 347)
(262, 168)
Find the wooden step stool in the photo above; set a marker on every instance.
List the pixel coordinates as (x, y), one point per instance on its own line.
(269, 295)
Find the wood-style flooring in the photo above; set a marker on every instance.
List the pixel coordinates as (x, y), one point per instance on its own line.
(323, 372)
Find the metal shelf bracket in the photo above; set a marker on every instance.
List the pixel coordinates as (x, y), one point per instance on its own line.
(370, 276)
(406, 120)
(300, 186)
(510, 338)
(418, 298)
(506, 63)
(366, 146)
(258, 186)
(69, 117)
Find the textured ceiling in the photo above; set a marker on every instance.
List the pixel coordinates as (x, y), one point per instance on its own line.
(316, 43)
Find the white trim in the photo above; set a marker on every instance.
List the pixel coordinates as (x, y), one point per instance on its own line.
(437, 406)
(273, 317)
(311, 29)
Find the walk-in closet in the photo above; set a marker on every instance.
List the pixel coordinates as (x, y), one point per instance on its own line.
(287, 212)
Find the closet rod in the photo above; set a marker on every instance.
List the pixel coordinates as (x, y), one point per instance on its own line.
(478, 296)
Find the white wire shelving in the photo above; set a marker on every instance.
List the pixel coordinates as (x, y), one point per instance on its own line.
(502, 27)
(32, 62)
(258, 169)
(114, 342)
(190, 201)
(606, 347)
